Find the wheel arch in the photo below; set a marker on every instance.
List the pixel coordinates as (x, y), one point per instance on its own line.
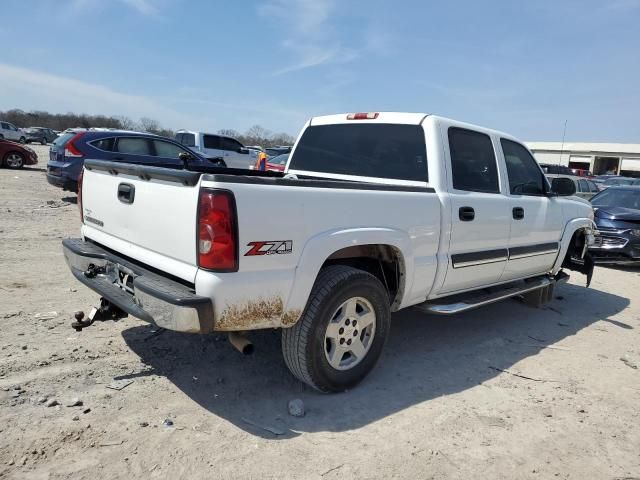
(383, 252)
(575, 231)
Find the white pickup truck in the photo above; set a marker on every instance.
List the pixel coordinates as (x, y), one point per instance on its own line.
(375, 212)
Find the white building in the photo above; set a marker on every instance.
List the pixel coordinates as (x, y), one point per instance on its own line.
(599, 158)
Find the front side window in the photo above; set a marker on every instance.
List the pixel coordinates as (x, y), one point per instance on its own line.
(133, 146)
(473, 161)
(525, 177)
(584, 186)
(211, 141)
(166, 149)
(380, 150)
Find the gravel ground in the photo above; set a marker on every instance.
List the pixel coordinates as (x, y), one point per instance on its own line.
(504, 392)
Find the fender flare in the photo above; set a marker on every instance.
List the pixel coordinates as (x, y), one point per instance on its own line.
(570, 228)
(322, 246)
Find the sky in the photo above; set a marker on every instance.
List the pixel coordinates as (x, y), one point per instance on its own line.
(524, 67)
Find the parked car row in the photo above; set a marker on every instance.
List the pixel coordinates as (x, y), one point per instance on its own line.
(9, 131)
(68, 152)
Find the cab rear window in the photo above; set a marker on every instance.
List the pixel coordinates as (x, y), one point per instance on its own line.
(369, 150)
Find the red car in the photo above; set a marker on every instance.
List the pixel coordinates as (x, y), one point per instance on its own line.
(15, 155)
(277, 163)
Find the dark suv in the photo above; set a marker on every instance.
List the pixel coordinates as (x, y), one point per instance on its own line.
(72, 147)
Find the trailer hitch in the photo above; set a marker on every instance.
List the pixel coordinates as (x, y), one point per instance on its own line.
(106, 311)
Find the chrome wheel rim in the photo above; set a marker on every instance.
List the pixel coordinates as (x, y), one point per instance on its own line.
(14, 160)
(350, 333)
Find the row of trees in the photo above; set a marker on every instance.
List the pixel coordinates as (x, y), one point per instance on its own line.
(255, 135)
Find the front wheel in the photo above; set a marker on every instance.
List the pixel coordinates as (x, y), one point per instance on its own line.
(43, 141)
(14, 160)
(23, 140)
(341, 333)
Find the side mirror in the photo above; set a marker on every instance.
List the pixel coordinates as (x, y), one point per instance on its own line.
(563, 187)
(184, 156)
(243, 150)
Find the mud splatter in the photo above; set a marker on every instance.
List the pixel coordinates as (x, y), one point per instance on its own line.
(260, 313)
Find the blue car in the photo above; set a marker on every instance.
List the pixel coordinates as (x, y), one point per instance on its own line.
(72, 147)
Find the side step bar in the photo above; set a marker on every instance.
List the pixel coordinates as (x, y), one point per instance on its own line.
(468, 301)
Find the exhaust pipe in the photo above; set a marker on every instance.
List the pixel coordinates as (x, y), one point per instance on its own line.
(241, 343)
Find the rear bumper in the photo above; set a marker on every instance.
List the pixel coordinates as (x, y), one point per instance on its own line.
(62, 182)
(138, 291)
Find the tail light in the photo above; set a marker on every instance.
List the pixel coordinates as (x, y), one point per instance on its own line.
(70, 149)
(217, 231)
(80, 178)
(363, 116)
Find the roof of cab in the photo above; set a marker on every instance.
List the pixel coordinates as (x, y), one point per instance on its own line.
(407, 118)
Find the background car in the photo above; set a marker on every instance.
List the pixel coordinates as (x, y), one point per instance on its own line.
(617, 215)
(584, 188)
(277, 163)
(39, 134)
(69, 150)
(9, 131)
(15, 155)
(275, 151)
(228, 151)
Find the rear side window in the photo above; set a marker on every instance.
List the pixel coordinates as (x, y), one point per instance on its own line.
(133, 146)
(211, 141)
(166, 149)
(5, 126)
(473, 161)
(105, 144)
(525, 177)
(230, 144)
(368, 150)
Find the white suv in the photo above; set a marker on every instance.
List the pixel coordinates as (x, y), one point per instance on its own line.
(9, 131)
(218, 147)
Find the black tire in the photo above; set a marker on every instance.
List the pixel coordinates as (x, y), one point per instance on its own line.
(23, 140)
(43, 141)
(303, 345)
(13, 155)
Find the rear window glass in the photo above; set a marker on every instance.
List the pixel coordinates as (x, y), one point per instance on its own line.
(63, 138)
(369, 150)
(188, 139)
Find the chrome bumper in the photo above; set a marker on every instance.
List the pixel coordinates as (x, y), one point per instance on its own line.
(137, 290)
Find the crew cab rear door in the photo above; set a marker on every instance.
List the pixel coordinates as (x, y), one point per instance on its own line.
(480, 216)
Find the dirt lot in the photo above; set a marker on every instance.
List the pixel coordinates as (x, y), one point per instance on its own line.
(504, 392)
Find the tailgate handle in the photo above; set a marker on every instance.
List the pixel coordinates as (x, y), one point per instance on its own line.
(126, 193)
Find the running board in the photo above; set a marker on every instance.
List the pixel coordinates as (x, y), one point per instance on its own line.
(468, 301)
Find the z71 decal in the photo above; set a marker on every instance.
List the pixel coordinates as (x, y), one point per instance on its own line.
(279, 247)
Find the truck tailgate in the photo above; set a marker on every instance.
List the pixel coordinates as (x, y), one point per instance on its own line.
(149, 217)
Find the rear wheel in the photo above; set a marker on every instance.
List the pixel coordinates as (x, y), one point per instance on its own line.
(14, 160)
(342, 331)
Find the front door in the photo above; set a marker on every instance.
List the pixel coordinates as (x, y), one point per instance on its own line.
(480, 214)
(536, 219)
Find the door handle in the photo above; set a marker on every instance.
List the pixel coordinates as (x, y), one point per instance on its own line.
(518, 213)
(126, 193)
(466, 214)
(118, 158)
